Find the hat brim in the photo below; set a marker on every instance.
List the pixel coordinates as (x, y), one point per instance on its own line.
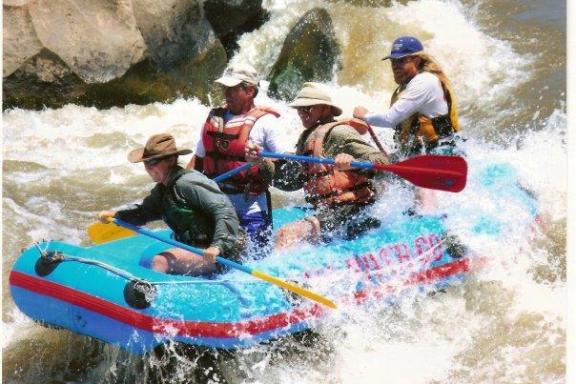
(306, 102)
(137, 155)
(399, 55)
(228, 81)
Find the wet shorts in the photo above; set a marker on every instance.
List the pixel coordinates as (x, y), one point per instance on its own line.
(345, 221)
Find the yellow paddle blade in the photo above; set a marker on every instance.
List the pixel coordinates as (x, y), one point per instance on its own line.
(102, 233)
(294, 288)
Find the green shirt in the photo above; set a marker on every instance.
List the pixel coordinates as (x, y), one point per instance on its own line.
(341, 139)
(193, 206)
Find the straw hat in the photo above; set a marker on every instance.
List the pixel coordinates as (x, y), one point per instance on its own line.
(157, 147)
(314, 94)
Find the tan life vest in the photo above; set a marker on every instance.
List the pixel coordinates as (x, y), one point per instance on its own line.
(326, 185)
(419, 131)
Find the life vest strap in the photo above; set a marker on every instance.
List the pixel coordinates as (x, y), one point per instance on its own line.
(223, 156)
(222, 135)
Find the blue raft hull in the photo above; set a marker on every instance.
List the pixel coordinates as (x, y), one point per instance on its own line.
(90, 292)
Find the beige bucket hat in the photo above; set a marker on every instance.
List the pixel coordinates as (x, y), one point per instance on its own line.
(237, 74)
(314, 94)
(157, 147)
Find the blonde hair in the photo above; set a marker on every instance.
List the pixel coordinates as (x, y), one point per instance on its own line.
(429, 64)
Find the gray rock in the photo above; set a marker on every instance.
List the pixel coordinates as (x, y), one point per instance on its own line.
(20, 41)
(98, 40)
(186, 53)
(175, 31)
(43, 80)
(310, 53)
(107, 52)
(232, 18)
(15, 3)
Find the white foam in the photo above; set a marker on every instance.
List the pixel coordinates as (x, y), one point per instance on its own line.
(366, 347)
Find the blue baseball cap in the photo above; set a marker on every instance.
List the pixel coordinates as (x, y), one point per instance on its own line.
(404, 46)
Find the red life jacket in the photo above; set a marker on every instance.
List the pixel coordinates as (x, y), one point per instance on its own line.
(326, 185)
(225, 144)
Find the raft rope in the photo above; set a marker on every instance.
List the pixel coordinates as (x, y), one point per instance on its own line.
(58, 256)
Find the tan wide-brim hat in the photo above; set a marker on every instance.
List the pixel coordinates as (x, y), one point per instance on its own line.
(314, 94)
(157, 147)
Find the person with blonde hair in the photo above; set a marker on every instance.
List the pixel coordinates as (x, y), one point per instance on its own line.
(422, 110)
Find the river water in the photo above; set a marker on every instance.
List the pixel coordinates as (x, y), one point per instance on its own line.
(506, 324)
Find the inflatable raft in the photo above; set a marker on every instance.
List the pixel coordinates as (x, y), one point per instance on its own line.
(104, 292)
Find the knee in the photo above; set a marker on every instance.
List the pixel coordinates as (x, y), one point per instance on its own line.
(282, 237)
(160, 263)
(305, 230)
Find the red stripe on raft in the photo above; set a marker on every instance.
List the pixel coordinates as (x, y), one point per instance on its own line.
(209, 329)
(444, 270)
(425, 277)
(152, 324)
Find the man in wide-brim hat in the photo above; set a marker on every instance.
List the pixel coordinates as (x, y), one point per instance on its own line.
(338, 194)
(191, 204)
(313, 94)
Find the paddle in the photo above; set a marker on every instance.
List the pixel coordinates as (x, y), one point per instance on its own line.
(445, 173)
(102, 233)
(376, 140)
(258, 274)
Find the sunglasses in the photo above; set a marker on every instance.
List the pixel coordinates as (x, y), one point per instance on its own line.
(152, 162)
(307, 109)
(401, 60)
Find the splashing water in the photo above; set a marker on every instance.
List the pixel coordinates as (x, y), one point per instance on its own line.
(505, 324)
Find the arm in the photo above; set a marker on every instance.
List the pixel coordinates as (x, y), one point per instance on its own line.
(205, 196)
(401, 110)
(419, 91)
(197, 160)
(345, 139)
(149, 210)
(285, 175)
(264, 135)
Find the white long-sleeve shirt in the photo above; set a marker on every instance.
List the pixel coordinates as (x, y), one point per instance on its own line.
(423, 94)
(264, 133)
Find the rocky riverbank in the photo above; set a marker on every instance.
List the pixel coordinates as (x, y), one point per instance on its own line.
(105, 54)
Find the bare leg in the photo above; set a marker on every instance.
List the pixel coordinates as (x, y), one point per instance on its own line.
(426, 201)
(303, 230)
(178, 261)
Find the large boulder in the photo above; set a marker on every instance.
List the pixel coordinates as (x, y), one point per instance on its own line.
(230, 19)
(107, 52)
(175, 31)
(43, 80)
(186, 53)
(310, 53)
(97, 40)
(20, 40)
